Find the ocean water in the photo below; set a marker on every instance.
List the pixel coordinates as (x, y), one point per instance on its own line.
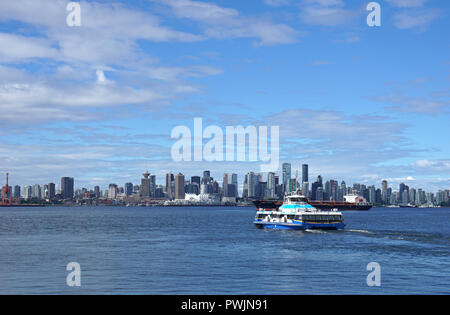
(219, 251)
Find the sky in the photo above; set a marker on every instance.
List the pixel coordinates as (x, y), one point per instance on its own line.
(98, 102)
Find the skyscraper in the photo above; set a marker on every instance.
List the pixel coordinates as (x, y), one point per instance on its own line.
(384, 187)
(286, 169)
(195, 180)
(304, 173)
(51, 191)
(112, 191)
(234, 181)
(144, 190)
(97, 191)
(314, 188)
(305, 189)
(225, 185)
(179, 187)
(128, 189)
(252, 183)
(67, 184)
(16, 194)
(169, 181)
(152, 185)
(271, 185)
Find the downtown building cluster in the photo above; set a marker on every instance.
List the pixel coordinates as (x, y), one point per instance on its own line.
(179, 190)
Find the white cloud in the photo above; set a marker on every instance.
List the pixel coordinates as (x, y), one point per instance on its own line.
(225, 23)
(21, 48)
(420, 19)
(326, 12)
(407, 3)
(420, 105)
(276, 3)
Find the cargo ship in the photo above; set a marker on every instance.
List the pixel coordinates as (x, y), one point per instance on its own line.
(351, 203)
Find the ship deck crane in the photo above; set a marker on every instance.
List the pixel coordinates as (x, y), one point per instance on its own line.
(6, 193)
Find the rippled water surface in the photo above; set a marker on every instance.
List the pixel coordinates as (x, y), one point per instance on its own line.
(219, 251)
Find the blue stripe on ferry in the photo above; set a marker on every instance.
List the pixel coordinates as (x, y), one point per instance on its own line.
(296, 206)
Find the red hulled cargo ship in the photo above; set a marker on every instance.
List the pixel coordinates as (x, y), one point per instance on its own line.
(351, 203)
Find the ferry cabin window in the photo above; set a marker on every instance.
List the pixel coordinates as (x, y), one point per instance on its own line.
(297, 199)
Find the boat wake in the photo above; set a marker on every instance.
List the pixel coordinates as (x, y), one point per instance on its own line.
(359, 231)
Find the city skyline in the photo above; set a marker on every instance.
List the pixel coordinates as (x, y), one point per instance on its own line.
(99, 101)
(175, 188)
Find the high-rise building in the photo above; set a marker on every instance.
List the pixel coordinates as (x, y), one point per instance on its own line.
(144, 190)
(67, 187)
(112, 191)
(97, 191)
(384, 187)
(27, 192)
(225, 185)
(169, 185)
(16, 193)
(128, 189)
(319, 194)
(305, 189)
(234, 181)
(286, 174)
(314, 188)
(270, 185)
(401, 188)
(152, 185)
(206, 177)
(305, 173)
(372, 194)
(51, 191)
(251, 182)
(179, 187)
(195, 180)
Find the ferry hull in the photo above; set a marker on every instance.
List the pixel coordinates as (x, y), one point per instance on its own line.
(301, 226)
(332, 226)
(279, 225)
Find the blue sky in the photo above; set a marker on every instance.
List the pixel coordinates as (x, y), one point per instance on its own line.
(98, 102)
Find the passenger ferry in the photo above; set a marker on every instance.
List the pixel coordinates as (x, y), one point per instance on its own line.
(296, 213)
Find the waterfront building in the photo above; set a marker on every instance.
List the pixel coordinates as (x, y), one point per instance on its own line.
(16, 193)
(169, 185)
(179, 186)
(128, 189)
(372, 194)
(384, 188)
(51, 191)
(36, 191)
(67, 187)
(305, 173)
(271, 185)
(286, 174)
(144, 190)
(112, 191)
(97, 191)
(234, 181)
(251, 183)
(152, 185)
(319, 194)
(225, 185)
(305, 189)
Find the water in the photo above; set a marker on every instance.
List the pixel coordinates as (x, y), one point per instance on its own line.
(219, 251)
